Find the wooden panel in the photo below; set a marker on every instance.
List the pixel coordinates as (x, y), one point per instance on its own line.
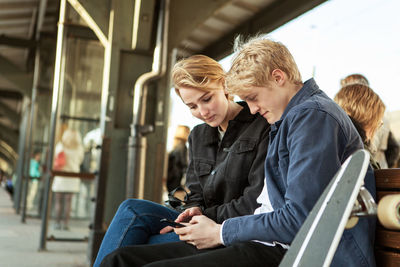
(387, 178)
(387, 259)
(387, 242)
(381, 194)
(387, 238)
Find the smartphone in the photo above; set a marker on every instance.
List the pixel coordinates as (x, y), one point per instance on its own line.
(172, 223)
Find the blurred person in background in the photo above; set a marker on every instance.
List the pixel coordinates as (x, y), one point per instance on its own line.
(178, 158)
(383, 146)
(365, 109)
(34, 173)
(68, 158)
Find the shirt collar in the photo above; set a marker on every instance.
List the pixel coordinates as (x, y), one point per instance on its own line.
(243, 116)
(309, 88)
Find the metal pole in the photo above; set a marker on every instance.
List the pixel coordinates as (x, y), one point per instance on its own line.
(58, 69)
(20, 162)
(138, 129)
(30, 131)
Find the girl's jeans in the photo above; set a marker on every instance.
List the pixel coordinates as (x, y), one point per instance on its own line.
(136, 222)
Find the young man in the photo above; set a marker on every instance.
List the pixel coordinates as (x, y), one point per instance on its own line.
(309, 140)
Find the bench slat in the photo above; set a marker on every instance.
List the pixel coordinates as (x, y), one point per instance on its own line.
(387, 242)
(381, 194)
(387, 179)
(386, 258)
(387, 238)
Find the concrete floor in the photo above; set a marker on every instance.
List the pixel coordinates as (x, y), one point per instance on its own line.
(19, 242)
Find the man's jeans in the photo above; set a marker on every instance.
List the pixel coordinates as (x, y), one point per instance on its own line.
(136, 222)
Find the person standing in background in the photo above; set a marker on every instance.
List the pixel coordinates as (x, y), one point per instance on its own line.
(68, 157)
(178, 158)
(34, 175)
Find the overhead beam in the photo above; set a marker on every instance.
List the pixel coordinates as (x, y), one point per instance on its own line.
(40, 17)
(6, 158)
(96, 14)
(9, 113)
(17, 5)
(17, 42)
(10, 93)
(267, 20)
(80, 31)
(16, 76)
(8, 152)
(193, 16)
(9, 136)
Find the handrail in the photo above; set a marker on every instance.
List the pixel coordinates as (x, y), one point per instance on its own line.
(82, 175)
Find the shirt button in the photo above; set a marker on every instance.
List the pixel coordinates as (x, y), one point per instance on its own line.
(213, 172)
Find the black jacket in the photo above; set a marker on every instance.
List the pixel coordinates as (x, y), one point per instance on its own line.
(225, 179)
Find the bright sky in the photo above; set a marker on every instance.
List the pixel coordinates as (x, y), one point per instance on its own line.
(333, 40)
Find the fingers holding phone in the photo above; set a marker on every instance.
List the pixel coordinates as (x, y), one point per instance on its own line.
(172, 223)
(187, 214)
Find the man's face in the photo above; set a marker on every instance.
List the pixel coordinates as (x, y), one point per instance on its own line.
(270, 101)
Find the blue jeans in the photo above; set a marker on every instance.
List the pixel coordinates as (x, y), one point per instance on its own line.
(136, 222)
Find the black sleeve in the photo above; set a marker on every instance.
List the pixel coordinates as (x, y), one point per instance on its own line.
(246, 203)
(392, 151)
(195, 197)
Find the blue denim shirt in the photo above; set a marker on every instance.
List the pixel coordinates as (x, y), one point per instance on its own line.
(307, 147)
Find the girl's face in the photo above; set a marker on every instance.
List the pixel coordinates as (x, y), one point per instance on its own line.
(209, 106)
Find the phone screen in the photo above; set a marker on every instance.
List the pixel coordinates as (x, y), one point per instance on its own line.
(172, 223)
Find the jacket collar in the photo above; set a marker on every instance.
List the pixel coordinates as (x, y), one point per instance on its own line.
(243, 117)
(309, 88)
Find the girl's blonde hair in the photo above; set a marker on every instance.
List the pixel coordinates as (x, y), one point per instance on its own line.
(362, 104)
(255, 61)
(71, 139)
(198, 72)
(354, 78)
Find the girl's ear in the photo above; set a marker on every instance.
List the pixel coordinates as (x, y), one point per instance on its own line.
(278, 76)
(225, 90)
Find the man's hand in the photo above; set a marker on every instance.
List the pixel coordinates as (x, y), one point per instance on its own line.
(202, 233)
(183, 217)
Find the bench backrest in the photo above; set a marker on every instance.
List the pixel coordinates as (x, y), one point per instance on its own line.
(387, 242)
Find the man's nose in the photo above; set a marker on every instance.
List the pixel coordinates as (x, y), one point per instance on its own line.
(253, 108)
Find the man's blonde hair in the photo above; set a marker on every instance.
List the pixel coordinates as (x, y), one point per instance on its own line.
(362, 104)
(198, 72)
(255, 61)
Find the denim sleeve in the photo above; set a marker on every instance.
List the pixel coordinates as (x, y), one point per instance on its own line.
(311, 143)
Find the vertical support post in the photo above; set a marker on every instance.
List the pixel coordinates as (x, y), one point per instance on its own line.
(30, 131)
(21, 158)
(58, 70)
(97, 230)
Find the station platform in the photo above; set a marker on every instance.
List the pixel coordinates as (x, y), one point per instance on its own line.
(19, 242)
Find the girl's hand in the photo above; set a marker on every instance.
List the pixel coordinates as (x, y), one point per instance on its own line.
(188, 214)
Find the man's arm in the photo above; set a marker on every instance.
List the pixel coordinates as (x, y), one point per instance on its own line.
(315, 146)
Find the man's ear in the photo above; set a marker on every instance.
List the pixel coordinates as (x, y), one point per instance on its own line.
(278, 76)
